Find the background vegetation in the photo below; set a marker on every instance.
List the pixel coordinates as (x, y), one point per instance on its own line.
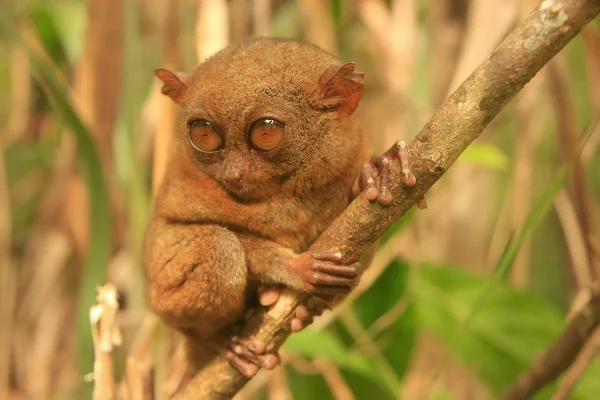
(459, 299)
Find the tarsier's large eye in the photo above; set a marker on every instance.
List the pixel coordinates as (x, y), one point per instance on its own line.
(266, 134)
(204, 136)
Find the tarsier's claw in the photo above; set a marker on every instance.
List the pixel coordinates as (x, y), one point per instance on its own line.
(375, 173)
(247, 355)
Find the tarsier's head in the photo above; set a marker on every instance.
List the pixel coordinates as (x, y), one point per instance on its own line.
(269, 115)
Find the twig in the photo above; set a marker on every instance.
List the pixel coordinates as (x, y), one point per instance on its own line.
(106, 335)
(577, 189)
(583, 360)
(338, 386)
(8, 280)
(559, 356)
(454, 126)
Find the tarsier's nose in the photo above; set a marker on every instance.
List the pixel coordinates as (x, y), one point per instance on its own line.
(233, 175)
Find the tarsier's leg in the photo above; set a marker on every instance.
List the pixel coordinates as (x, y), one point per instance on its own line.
(374, 176)
(196, 281)
(196, 275)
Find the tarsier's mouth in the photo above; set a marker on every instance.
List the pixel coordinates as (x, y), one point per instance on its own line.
(250, 190)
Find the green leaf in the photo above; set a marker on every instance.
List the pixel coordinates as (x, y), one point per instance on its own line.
(307, 387)
(539, 210)
(535, 216)
(379, 299)
(486, 155)
(24, 158)
(503, 340)
(313, 344)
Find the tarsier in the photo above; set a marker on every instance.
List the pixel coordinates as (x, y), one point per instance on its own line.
(267, 156)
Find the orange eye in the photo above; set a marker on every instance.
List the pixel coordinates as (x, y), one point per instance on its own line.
(204, 136)
(266, 134)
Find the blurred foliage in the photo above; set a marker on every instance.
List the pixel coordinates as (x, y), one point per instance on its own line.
(439, 288)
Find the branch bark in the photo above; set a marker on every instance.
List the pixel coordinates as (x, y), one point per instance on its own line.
(457, 123)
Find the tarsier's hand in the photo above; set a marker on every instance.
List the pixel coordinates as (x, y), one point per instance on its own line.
(374, 175)
(325, 274)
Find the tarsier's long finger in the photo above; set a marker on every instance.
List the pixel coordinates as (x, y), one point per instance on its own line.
(331, 256)
(322, 279)
(406, 176)
(346, 271)
(327, 290)
(368, 174)
(382, 163)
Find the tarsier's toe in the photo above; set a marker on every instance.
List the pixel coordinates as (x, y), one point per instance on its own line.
(385, 197)
(248, 369)
(247, 355)
(269, 296)
(303, 318)
(408, 179)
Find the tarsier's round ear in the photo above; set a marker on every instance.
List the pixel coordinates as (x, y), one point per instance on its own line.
(175, 84)
(342, 88)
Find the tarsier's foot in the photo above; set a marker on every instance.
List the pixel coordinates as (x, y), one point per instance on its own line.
(248, 355)
(375, 174)
(303, 317)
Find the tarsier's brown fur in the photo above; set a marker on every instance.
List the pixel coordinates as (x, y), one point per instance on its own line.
(208, 246)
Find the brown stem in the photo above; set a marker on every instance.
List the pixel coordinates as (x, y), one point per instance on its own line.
(561, 354)
(456, 124)
(585, 358)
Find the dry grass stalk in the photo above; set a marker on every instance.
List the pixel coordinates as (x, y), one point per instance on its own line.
(261, 13)
(8, 282)
(138, 370)
(278, 386)
(569, 147)
(43, 311)
(212, 27)
(167, 117)
(20, 94)
(448, 29)
(96, 96)
(335, 380)
(525, 144)
(592, 58)
(318, 25)
(393, 32)
(105, 335)
(574, 238)
(488, 22)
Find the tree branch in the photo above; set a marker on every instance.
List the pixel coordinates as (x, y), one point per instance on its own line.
(456, 124)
